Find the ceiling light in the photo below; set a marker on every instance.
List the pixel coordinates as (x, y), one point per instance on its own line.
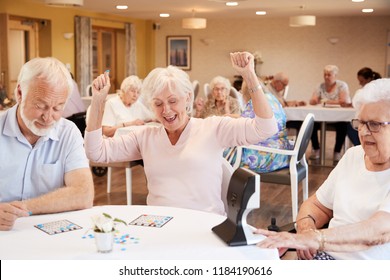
(367, 10)
(122, 7)
(333, 40)
(261, 13)
(231, 4)
(357, 1)
(74, 3)
(303, 20)
(300, 21)
(193, 22)
(165, 15)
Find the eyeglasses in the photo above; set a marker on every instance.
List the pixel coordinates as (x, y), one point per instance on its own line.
(283, 84)
(219, 89)
(372, 126)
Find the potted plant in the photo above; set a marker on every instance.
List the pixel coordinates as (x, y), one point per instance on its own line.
(104, 228)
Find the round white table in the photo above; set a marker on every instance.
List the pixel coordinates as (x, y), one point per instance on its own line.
(187, 236)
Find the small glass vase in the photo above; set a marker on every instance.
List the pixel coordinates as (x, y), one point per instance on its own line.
(104, 241)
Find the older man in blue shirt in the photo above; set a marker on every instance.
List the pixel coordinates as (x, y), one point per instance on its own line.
(43, 166)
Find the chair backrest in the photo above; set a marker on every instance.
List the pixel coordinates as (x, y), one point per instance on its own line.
(206, 90)
(237, 95)
(88, 90)
(304, 136)
(285, 93)
(195, 85)
(227, 172)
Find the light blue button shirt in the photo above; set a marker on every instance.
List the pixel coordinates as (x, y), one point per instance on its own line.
(27, 171)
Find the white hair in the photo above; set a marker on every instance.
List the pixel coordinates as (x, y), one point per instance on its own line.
(172, 77)
(48, 69)
(331, 68)
(220, 80)
(375, 91)
(131, 82)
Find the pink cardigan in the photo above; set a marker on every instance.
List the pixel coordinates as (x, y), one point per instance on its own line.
(189, 173)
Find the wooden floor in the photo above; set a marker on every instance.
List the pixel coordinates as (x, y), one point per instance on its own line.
(275, 200)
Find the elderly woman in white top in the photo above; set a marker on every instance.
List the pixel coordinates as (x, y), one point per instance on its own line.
(125, 109)
(355, 199)
(183, 157)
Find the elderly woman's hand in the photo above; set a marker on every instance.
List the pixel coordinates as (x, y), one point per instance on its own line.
(243, 62)
(304, 242)
(101, 86)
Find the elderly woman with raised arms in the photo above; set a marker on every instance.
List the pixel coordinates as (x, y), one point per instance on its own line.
(183, 157)
(355, 199)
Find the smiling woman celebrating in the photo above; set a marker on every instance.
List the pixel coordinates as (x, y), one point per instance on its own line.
(183, 157)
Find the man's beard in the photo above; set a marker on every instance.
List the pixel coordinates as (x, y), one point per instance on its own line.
(31, 126)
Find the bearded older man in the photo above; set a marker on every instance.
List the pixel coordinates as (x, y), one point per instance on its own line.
(43, 166)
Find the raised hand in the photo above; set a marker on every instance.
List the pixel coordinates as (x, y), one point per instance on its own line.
(243, 62)
(101, 86)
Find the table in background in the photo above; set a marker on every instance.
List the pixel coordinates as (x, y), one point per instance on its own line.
(125, 130)
(323, 114)
(188, 236)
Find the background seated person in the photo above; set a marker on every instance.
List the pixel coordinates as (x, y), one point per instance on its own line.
(74, 108)
(262, 162)
(364, 76)
(356, 204)
(331, 91)
(219, 102)
(183, 156)
(43, 166)
(278, 85)
(125, 109)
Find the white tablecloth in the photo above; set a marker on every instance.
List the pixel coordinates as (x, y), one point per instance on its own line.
(188, 236)
(124, 130)
(321, 113)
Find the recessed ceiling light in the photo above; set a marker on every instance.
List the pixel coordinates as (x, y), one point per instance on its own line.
(165, 15)
(357, 1)
(367, 10)
(231, 4)
(122, 7)
(261, 13)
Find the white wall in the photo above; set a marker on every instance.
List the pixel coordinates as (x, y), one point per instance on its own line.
(300, 52)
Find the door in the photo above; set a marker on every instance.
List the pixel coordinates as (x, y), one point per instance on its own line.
(104, 53)
(21, 45)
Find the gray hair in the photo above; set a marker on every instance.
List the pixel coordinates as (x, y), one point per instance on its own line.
(280, 76)
(48, 69)
(131, 82)
(375, 91)
(331, 68)
(220, 80)
(172, 77)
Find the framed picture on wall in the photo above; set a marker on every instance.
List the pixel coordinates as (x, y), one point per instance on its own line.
(179, 51)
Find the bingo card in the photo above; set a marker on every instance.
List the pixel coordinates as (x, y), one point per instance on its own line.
(151, 220)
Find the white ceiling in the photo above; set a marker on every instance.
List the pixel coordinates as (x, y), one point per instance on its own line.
(210, 9)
